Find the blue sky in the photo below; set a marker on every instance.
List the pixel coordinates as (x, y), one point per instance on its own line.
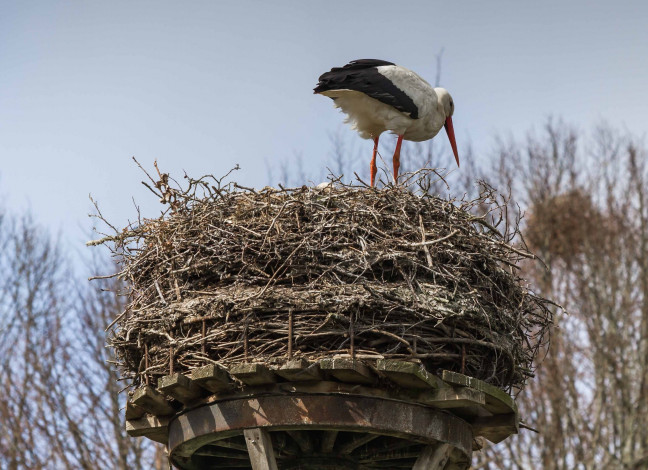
(203, 85)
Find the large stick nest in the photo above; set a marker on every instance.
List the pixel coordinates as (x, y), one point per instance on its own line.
(383, 273)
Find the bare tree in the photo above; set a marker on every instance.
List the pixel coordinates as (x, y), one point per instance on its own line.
(104, 397)
(587, 218)
(61, 401)
(31, 316)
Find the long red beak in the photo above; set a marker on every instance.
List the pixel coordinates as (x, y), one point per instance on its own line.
(450, 130)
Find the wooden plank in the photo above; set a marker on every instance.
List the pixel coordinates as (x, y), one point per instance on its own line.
(300, 370)
(452, 397)
(215, 451)
(408, 374)
(253, 374)
(348, 370)
(152, 401)
(181, 388)
(497, 401)
(133, 411)
(390, 465)
(433, 457)
(229, 444)
(212, 378)
(357, 442)
(284, 444)
(495, 428)
(152, 427)
(403, 453)
(259, 447)
(328, 441)
(227, 464)
(384, 446)
(303, 440)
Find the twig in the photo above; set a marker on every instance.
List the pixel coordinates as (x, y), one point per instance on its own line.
(259, 275)
(433, 242)
(290, 333)
(157, 287)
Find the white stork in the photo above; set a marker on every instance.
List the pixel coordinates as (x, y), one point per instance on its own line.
(379, 96)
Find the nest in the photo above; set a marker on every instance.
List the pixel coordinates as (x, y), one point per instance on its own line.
(234, 275)
(570, 224)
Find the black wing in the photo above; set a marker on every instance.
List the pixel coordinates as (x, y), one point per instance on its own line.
(362, 75)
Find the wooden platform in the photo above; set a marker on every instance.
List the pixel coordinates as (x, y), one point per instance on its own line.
(332, 414)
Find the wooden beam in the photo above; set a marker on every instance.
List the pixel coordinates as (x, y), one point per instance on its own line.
(229, 444)
(259, 447)
(212, 378)
(433, 457)
(216, 451)
(357, 442)
(284, 444)
(407, 374)
(384, 446)
(452, 397)
(303, 440)
(227, 464)
(300, 370)
(348, 370)
(495, 428)
(253, 374)
(497, 401)
(152, 401)
(181, 388)
(391, 455)
(133, 411)
(328, 441)
(152, 427)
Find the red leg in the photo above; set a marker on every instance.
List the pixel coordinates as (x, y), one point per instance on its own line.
(396, 158)
(372, 166)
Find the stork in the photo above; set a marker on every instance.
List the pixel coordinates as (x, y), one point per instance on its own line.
(379, 96)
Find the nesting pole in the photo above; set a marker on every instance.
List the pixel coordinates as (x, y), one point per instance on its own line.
(326, 415)
(334, 328)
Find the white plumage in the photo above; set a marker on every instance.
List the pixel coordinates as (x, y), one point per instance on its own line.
(379, 96)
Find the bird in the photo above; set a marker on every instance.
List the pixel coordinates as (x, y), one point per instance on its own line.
(378, 96)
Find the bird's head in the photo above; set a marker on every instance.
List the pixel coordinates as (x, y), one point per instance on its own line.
(447, 106)
(445, 101)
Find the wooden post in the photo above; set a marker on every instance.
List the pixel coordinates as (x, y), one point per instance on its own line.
(433, 458)
(259, 446)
